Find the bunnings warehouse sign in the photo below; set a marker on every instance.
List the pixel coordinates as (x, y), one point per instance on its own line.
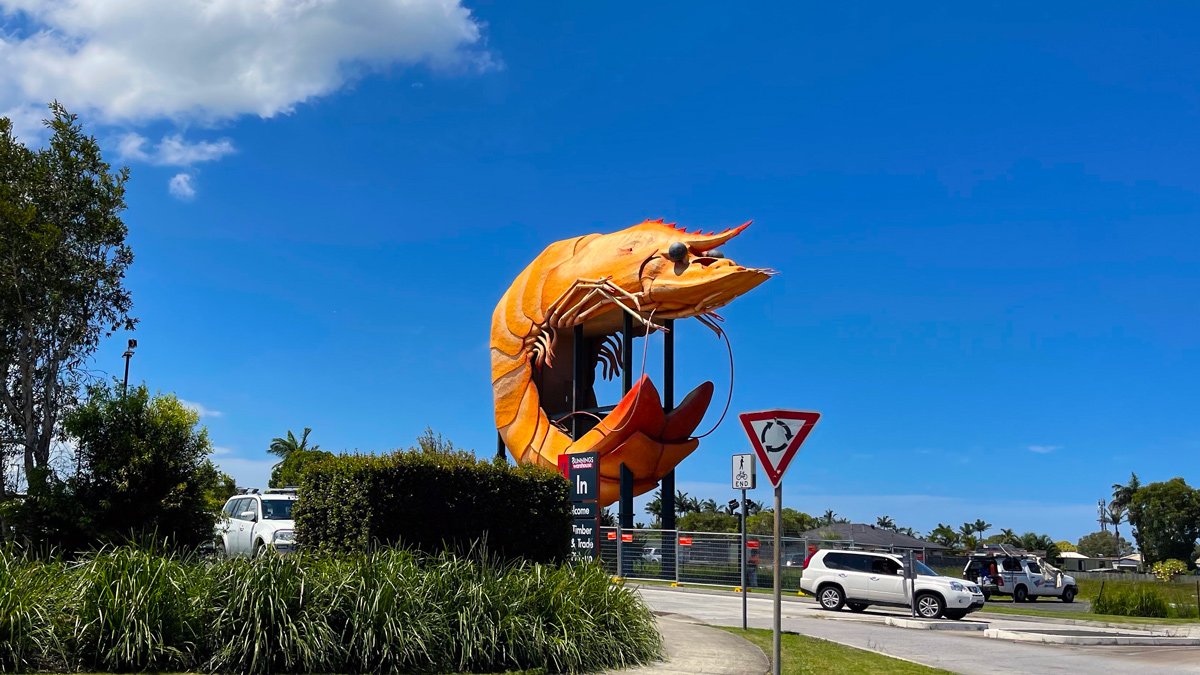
(582, 470)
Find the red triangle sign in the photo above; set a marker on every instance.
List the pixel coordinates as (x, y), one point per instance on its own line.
(776, 436)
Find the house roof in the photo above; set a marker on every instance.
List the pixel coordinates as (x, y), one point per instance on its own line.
(1073, 555)
(869, 535)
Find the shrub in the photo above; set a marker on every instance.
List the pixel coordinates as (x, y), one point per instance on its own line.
(433, 500)
(1137, 601)
(1167, 570)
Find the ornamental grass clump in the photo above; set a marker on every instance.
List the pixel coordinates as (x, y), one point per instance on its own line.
(27, 596)
(271, 614)
(134, 609)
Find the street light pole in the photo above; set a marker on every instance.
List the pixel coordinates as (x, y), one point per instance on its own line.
(128, 355)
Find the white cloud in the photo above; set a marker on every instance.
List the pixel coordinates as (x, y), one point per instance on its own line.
(1044, 449)
(219, 450)
(210, 60)
(200, 409)
(180, 186)
(172, 150)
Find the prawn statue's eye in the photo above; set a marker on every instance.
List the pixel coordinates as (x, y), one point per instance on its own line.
(677, 251)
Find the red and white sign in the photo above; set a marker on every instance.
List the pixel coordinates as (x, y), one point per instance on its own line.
(776, 436)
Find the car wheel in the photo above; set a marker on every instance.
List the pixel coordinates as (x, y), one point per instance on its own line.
(1068, 594)
(830, 597)
(857, 606)
(929, 606)
(955, 614)
(1020, 594)
(259, 549)
(221, 552)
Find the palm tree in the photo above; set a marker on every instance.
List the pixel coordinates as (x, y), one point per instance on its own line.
(982, 526)
(944, 535)
(708, 506)
(1116, 515)
(829, 518)
(685, 504)
(966, 533)
(1123, 494)
(1010, 537)
(885, 523)
(284, 447)
(654, 506)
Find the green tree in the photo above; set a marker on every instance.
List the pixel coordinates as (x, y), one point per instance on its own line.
(793, 522)
(709, 521)
(1166, 520)
(63, 259)
(1116, 516)
(1123, 494)
(708, 506)
(945, 535)
(829, 517)
(1010, 537)
(885, 523)
(982, 526)
(1031, 541)
(1065, 546)
(283, 447)
(1102, 544)
(289, 472)
(654, 508)
(144, 472)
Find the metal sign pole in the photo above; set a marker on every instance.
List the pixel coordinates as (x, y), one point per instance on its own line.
(745, 591)
(911, 573)
(778, 601)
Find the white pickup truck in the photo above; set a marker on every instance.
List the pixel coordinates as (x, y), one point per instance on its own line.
(1024, 576)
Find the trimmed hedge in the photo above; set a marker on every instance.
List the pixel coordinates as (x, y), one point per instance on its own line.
(431, 501)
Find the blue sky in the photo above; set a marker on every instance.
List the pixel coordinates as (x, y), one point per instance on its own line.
(984, 221)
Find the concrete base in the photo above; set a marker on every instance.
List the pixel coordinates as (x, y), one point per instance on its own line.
(933, 624)
(1081, 637)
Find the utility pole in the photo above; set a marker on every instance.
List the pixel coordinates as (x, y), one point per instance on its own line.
(1103, 516)
(132, 345)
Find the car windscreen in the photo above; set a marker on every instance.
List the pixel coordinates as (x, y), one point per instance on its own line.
(925, 571)
(277, 509)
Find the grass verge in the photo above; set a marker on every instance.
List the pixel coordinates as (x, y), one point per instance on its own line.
(803, 654)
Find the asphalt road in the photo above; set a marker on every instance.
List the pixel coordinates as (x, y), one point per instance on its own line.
(956, 651)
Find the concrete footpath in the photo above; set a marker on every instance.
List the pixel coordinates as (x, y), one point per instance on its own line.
(694, 648)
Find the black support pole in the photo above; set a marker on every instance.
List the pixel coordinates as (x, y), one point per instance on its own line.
(500, 455)
(578, 382)
(668, 482)
(625, 500)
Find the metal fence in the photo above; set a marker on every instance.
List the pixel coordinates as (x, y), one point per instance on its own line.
(709, 558)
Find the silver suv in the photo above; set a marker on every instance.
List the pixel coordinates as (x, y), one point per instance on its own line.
(858, 579)
(253, 523)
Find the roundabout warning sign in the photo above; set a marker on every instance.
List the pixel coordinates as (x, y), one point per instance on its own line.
(776, 436)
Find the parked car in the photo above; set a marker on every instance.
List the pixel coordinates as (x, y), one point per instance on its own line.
(859, 579)
(1024, 576)
(651, 555)
(252, 522)
(794, 559)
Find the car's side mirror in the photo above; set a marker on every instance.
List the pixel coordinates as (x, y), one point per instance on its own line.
(249, 515)
(900, 571)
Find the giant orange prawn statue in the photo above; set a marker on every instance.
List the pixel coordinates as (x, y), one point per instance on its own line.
(652, 271)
